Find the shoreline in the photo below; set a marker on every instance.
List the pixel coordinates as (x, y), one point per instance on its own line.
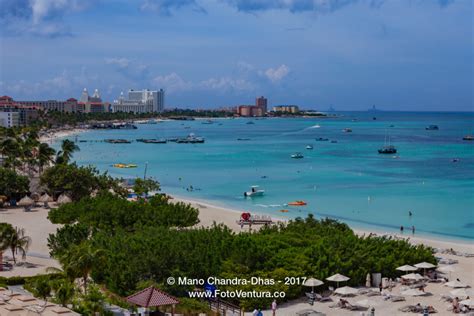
(430, 239)
(229, 216)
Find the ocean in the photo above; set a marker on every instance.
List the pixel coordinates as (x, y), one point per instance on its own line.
(346, 180)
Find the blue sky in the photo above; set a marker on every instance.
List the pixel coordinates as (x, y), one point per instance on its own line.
(398, 54)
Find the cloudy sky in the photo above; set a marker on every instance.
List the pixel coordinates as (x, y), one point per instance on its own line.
(396, 54)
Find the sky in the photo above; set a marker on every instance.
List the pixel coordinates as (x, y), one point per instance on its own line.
(349, 54)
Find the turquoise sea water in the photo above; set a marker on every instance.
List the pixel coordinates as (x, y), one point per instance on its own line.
(347, 180)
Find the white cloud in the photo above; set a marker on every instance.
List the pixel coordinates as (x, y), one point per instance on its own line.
(129, 68)
(226, 84)
(276, 75)
(172, 83)
(39, 17)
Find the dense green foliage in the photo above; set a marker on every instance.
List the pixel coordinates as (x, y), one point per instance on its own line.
(77, 182)
(109, 212)
(141, 242)
(144, 186)
(13, 185)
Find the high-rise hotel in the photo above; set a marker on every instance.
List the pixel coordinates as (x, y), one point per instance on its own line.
(140, 101)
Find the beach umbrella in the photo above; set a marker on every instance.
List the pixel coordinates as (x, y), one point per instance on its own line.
(469, 302)
(413, 276)
(367, 280)
(346, 290)
(406, 268)
(338, 278)
(45, 198)
(26, 201)
(456, 284)
(424, 266)
(413, 292)
(462, 293)
(63, 199)
(312, 282)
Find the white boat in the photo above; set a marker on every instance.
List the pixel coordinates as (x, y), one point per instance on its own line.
(297, 156)
(347, 130)
(309, 147)
(254, 191)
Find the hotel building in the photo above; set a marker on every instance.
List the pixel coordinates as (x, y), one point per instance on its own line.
(140, 101)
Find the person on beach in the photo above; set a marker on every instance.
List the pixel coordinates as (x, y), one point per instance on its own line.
(380, 287)
(274, 307)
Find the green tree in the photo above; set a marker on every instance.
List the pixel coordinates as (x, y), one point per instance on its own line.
(144, 186)
(68, 147)
(12, 184)
(18, 242)
(6, 230)
(45, 156)
(77, 182)
(41, 287)
(80, 260)
(64, 291)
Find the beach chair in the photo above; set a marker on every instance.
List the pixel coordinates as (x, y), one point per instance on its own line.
(323, 299)
(397, 299)
(311, 297)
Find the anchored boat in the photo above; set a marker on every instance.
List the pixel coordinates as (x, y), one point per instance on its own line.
(254, 191)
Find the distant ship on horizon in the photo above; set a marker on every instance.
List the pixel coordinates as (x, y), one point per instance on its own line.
(373, 109)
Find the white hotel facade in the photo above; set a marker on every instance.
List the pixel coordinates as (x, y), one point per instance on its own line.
(140, 101)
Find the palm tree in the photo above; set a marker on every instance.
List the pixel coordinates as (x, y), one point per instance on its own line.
(63, 291)
(80, 260)
(45, 155)
(18, 242)
(6, 230)
(68, 147)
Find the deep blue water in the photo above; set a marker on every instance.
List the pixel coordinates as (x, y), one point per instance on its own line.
(347, 180)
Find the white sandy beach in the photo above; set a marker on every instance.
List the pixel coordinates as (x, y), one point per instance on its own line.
(38, 227)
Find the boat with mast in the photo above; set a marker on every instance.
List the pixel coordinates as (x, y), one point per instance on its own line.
(387, 148)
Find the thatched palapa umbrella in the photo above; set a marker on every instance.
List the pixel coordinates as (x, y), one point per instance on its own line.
(63, 199)
(26, 201)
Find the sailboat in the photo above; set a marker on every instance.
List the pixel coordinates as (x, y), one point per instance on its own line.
(387, 149)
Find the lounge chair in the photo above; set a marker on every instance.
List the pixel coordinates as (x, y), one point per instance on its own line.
(397, 299)
(322, 299)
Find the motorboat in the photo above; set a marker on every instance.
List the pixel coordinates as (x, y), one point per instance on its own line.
(254, 191)
(468, 137)
(322, 139)
(347, 130)
(297, 156)
(432, 128)
(309, 147)
(117, 141)
(190, 139)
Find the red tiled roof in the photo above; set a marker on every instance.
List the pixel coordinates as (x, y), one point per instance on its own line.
(152, 297)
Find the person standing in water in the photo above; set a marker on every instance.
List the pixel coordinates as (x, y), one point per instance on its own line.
(413, 229)
(401, 229)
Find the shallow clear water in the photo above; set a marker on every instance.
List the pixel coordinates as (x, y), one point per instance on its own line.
(347, 180)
